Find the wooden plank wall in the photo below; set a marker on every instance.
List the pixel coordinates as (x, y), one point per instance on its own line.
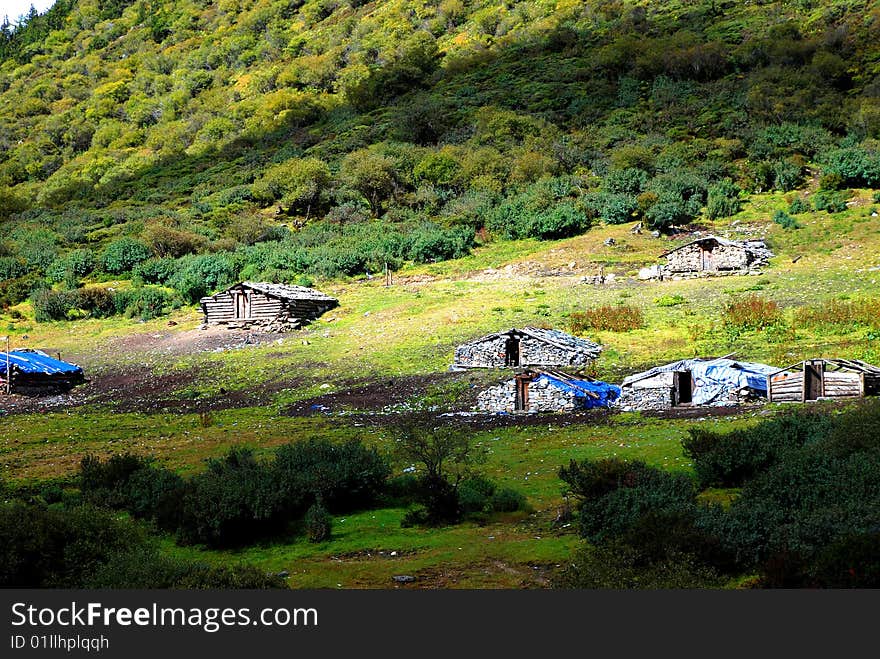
(221, 308)
(787, 387)
(841, 384)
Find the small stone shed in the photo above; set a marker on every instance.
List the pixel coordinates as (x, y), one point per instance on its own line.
(711, 255)
(270, 307)
(33, 372)
(546, 391)
(814, 379)
(718, 382)
(529, 346)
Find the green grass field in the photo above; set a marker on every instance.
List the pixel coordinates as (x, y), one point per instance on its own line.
(410, 329)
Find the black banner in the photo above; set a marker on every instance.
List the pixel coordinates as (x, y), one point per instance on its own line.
(408, 623)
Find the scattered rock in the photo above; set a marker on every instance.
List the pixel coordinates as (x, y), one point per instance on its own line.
(403, 578)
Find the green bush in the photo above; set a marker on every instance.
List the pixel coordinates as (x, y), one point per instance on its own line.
(614, 495)
(124, 254)
(48, 548)
(785, 220)
(74, 265)
(343, 476)
(507, 500)
(799, 205)
(832, 202)
(723, 200)
(53, 305)
(731, 459)
(474, 494)
(856, 166)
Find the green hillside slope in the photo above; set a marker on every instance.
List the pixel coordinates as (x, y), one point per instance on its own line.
(188, 144)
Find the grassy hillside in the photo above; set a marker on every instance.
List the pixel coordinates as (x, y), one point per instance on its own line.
(186, 145)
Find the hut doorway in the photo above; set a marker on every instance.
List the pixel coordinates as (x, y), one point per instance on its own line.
(511, 351)
(814, 374)
(683, 387)
(242, 305)
(521, 404)
(707, 258)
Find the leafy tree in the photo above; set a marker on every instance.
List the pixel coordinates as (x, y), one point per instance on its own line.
(446, 456)
(371, 174)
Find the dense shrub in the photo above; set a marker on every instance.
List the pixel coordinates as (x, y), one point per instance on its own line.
(72, 266)
(53, 305)
(618, 318)
(82, 547)
(46, 548)
(723, 200)
(857, 166)
(15, 291)
(233, 502)
(830, 201)
(799, 205)
(730, 459)
(620, 565)
(785, 220)
(614, 495)
(145, 302)
(342, 476)
(122, 255)
(507, 500)
(156, 270)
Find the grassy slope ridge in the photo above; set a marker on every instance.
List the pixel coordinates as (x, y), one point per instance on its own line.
(137, 114)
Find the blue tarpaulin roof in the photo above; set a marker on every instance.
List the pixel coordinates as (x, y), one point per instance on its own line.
(33, 361)
(714, 377)
(590, 393)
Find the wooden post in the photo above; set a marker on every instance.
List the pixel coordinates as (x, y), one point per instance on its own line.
(389, 278)
(8, 374)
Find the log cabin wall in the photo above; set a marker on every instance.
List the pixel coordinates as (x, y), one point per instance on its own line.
(786, 387)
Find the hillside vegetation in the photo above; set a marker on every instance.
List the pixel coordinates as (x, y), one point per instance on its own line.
(184, 145)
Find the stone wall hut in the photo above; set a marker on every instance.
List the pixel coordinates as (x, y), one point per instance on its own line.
(270, 307)
(529, 346)
(546, 391)
(814, 379)
(689, 382)
(711, 256)
(33, 372)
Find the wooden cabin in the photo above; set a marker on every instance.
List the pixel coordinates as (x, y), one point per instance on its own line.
(529, 346)
(714, 255)
(815, 379)
(271, 307)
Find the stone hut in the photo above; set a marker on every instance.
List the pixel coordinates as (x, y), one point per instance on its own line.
(815, 379)
(546, 391)
(688, 382)
(711, 256)
(270, 307)
(529, 346)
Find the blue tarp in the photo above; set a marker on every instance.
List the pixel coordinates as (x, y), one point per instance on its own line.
(588, 393)
(33, 361)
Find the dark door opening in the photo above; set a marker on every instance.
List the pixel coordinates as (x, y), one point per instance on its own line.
(813, 376)
(511, 352)
(522, 394)
(684, 387)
